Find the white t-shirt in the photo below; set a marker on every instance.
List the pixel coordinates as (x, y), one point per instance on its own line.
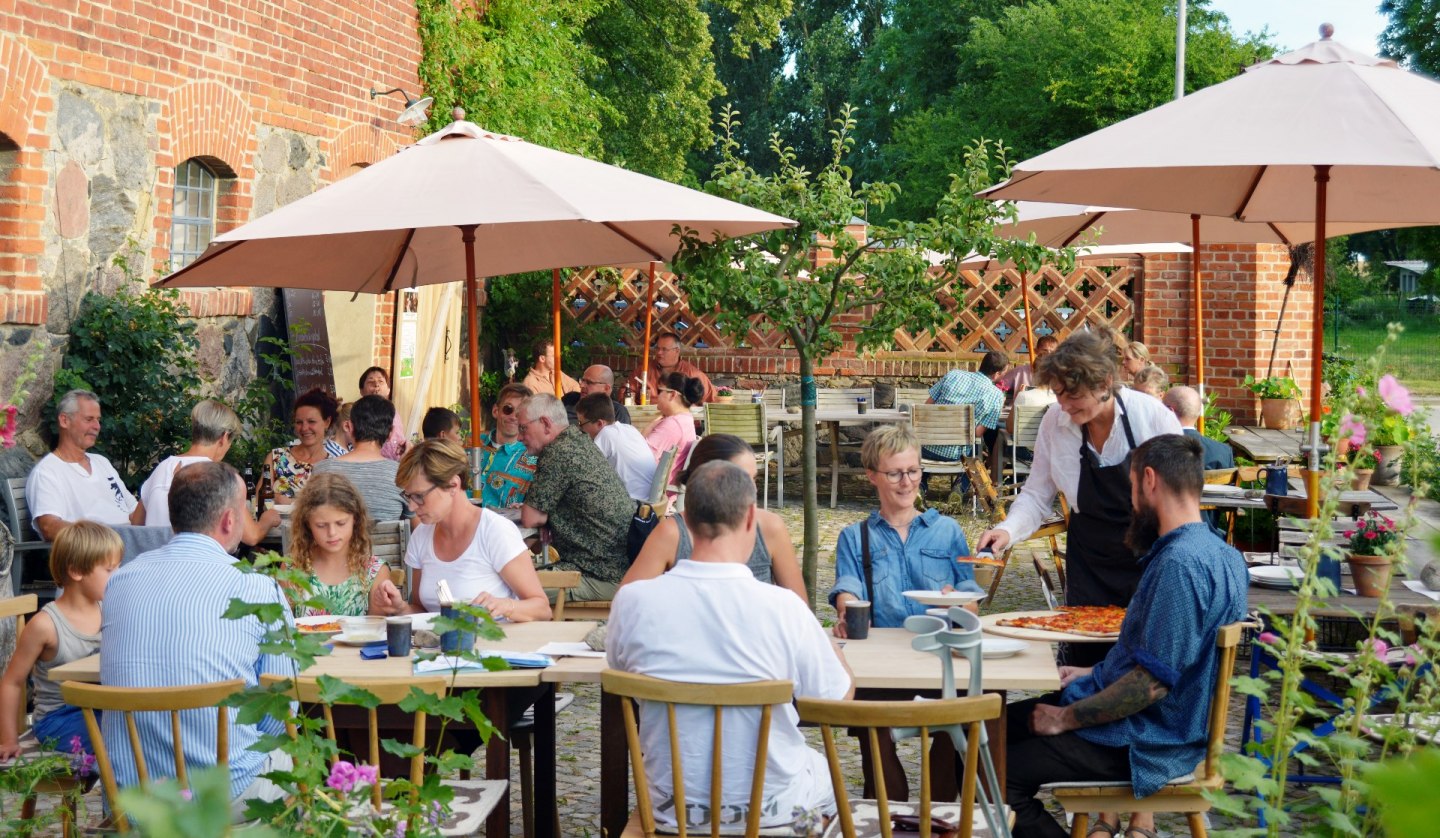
(67, 491)
(752, 631)
(630, 456)
(155, 491)
(476, 570)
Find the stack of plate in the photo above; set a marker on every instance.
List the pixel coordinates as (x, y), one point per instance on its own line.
(1283, 577)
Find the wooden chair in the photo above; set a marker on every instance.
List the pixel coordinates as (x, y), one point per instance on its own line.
(127, 701)
(1222, 477)
(660, 481)
(1024, 433)
(474, 799)
(27, 541)
(21, 607)
(873, 817)
(1187, 794)
(747, 421)
(762, 695)
(561, 582)
(389, 541)
(937, 425)
(911, 396)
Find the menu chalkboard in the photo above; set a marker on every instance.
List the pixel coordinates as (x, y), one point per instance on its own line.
(311, 365)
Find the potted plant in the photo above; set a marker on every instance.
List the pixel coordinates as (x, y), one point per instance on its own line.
(1279, 400)
(1370, 546)
(1362, 468)
(724, 394)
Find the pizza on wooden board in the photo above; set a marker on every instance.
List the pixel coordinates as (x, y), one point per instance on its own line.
(1084, 620)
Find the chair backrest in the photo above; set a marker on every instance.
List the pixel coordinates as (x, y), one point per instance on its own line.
(835, 398)
(660, 481)
(18, 519)
(1220, 476)
(943, 424)
(389, 540)
(127, 701)
(774, 399)
(1027, 418)
(389, 691)
(746, 420)
(972, 712)
(641, 415)
(562, 581)
(1227, 640)
(911, 395)
(763, 695)
(19, 607)
(1295, 507)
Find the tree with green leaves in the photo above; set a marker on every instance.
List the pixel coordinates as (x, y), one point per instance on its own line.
(767, 281)
(1412, 37)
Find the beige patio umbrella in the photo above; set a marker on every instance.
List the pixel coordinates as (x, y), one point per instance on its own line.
(460, 204)
(1324, 134)
(1059, 225)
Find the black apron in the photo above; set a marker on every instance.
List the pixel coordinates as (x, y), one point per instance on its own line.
(1099, 568)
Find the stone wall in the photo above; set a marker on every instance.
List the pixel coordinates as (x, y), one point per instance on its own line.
(100, 101)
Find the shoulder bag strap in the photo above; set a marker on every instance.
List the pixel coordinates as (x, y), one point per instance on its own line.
(865, 562)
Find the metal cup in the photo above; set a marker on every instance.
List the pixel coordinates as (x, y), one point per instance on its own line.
(397, 636)
(861, 405)
(457, 640)
(857, 619)
(757, 397)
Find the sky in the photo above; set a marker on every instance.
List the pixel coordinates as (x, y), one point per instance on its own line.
(1295, 23)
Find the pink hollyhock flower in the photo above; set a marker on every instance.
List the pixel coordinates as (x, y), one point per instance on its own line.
(365, 775)
(1355, 428)
(1395, 396)
(7, 427)
(1381, 647)
(343, 776)
(1269, 638)
(1360, 391)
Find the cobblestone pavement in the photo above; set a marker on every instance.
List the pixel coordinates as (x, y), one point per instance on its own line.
(578, 775)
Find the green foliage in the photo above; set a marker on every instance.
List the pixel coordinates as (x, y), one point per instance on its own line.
(164, 810)
(886, 283)
(1274, 387)
(518, 316)
(21, 779)
(136, 351)
(256, 407)
(1217, 421)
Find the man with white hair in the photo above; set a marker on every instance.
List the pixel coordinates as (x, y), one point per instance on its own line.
(578, 495)
(70, 484)
(1187, 406)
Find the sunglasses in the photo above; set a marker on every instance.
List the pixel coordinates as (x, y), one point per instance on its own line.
(508, 410)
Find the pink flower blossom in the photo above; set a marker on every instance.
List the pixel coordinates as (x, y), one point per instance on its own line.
(1348, 533)
(1269, 638)
(365, 775)
(342, 776)
(1360, 391)
(1396, 397)
(7, 427)
(1354, 428)
(1371, 534)
(1381, 647)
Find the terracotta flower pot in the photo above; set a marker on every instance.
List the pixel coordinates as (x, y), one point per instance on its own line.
(1361, 479)
(1278, 414)
(725, 399)
(1387, 471)
(1371, 573)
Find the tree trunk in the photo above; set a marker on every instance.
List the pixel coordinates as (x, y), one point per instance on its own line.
(809, 561)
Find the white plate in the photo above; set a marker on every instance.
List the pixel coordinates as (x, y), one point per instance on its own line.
(343, 640)
(315, 621)
(423, 622)
(1423, 724)
(1001, 647)
(1276, 576)
(951, 598)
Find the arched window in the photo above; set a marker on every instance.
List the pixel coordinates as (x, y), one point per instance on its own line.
(192, 222)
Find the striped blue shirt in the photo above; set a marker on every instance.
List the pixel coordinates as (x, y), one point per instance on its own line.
(974, 389)
(162, 627)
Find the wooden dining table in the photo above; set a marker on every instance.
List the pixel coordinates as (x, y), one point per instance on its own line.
(1266, 445)
(344, 662)
(882, 664)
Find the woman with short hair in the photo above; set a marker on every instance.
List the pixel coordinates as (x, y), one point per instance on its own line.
(366, 466)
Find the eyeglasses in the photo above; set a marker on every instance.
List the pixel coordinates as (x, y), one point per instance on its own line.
(588, 422)
(666, 390)
(585, 382)
(527, 422)
(911, 474)
(417, 498)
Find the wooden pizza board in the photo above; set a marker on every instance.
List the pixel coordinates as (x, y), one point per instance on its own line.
(988, 625)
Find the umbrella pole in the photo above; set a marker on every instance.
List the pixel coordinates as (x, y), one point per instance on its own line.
(556, 373)
(1317, 347)
(472, 324)
(1029, 326)
(1199, 314)
(645, 353)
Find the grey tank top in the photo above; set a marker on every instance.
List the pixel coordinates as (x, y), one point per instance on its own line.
(759, 561)
(70, 645)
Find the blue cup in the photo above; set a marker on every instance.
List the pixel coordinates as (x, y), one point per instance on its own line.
(1329, 568)
(457, 640)
(1277, 480)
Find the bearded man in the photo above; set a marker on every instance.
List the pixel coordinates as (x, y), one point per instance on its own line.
(1140, 714)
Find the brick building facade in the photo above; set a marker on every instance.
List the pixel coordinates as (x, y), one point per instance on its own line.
(100, 102)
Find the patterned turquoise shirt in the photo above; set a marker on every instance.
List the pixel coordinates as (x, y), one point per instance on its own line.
(1193, 584)
(924, 561)
(505, 472)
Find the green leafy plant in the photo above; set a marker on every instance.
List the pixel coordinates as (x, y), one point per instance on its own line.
(135, 349)
(265, 430)
(1217, 421)
(26, 775)
(1374, 535)
(1365, 460)
(1274, 387)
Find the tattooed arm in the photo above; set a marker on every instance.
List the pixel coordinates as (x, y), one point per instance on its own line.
(1131, 693)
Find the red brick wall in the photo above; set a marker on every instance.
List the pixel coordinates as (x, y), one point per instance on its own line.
(216, 70)
(1242, 289)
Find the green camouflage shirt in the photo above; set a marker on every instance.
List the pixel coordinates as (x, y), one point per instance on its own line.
(589, 509)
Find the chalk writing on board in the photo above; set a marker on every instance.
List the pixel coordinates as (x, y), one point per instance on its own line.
(312, 365)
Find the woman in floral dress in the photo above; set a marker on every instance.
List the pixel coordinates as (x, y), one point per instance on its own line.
(330, 540)
(289, 467)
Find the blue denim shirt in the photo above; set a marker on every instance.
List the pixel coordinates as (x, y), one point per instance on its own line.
(923, 561)
(1193, 584)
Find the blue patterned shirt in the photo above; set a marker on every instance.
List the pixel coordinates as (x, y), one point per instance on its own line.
(162, 628)
(974, 389)
(1193, 584)
(924, 561)
(506, 470)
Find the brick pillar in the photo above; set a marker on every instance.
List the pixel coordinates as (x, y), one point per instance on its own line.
(1243, 289)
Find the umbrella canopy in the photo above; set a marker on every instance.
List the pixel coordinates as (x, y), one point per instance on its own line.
(1322, 134)
(462, 203)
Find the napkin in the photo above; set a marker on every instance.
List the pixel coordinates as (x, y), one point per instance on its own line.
(451, 663)
(1420, 588)
(579, 649)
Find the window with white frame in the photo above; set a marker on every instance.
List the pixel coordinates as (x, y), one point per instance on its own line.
(192, 223)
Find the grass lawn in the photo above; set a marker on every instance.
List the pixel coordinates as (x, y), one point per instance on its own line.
(1414, 358)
